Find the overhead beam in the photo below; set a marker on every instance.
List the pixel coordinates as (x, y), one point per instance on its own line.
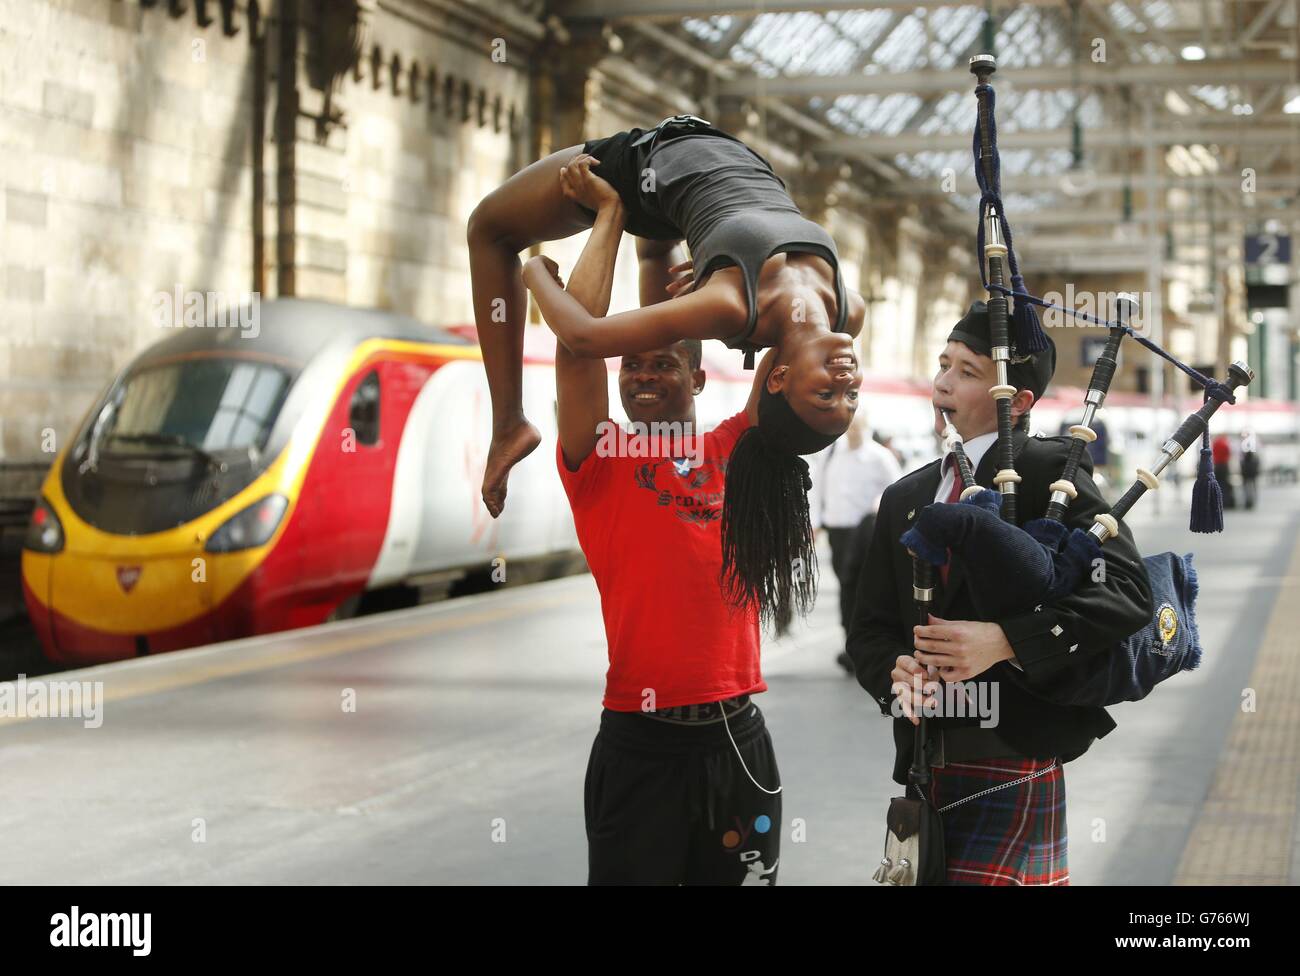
(612, 10)
(1254, 134)
(1093, 218)
(1262, 20)
(1180, 75)
(720, 70)
(1047, 182)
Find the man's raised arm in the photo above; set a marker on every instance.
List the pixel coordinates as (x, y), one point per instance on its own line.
(581, 384)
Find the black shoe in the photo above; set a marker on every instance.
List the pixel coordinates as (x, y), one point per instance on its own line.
(846, 662)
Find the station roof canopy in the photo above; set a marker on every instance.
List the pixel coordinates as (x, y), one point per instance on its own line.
(1182, 95)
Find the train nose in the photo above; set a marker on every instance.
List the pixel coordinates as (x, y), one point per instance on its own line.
(116, 605)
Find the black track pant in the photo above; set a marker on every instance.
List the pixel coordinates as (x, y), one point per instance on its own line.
(670, 804)
(848, 554)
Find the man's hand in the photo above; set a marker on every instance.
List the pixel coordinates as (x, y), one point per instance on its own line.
(539, 268)
(912, 686)
(960, 649)
(581, 185)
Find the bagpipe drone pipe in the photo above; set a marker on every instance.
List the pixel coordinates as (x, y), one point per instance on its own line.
(1013, 568)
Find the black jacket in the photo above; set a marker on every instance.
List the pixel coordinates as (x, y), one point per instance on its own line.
(1050, 641)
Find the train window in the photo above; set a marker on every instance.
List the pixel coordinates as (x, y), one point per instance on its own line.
(252, 396)
(208, 404)
(363, 415)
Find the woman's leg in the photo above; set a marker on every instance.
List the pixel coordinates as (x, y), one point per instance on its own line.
(525, 210)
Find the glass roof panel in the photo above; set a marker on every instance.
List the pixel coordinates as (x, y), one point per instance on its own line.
(890, 40)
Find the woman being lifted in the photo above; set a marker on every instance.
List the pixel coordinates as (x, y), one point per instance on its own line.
(763, 277)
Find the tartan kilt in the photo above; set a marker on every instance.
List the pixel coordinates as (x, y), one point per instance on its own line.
(1014, 836)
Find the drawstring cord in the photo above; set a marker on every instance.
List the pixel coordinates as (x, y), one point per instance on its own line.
(742, 761)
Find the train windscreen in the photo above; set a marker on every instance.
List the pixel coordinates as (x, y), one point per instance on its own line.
(174, 440)
(209, 405)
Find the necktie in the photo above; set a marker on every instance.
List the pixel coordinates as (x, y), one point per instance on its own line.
(950, 464)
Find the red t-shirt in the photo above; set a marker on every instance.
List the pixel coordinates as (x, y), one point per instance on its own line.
(651, 529)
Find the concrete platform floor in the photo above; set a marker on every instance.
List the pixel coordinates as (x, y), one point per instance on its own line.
(463, 761)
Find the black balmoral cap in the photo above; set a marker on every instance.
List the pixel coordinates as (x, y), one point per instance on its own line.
(1032, 373)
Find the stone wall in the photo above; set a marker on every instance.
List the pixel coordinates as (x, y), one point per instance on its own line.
(127, 151)
(147, 144)
(124, 153)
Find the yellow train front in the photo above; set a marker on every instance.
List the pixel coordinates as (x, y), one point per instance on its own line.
(229, 484)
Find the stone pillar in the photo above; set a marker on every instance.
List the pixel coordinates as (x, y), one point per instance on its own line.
(881, 289)
(317, 46)
(932, 303)
(813, 188)
(568, 89)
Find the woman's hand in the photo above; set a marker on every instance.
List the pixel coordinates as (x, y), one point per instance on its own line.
(684, 284)
(538, 269)
(579, 184)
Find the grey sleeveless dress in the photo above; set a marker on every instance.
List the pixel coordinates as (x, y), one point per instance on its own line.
(733, 210)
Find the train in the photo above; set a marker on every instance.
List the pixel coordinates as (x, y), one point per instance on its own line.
(229, 483)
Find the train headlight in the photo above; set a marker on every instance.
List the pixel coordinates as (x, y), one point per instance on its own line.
(44, 531)
(250, 528)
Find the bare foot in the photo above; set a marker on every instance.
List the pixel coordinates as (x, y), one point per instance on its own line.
(508, 448)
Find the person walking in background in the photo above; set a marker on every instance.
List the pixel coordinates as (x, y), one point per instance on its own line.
(1098, 449)
(887, 442)
(1249, 466)
(855, 471)
(1222, 455)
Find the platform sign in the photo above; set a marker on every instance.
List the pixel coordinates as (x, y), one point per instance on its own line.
(1268, 259)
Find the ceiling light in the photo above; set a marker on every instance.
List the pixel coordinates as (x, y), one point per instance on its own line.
(1078, 182)
(1193, 52)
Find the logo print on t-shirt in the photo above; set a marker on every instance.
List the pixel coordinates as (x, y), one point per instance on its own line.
(690, 502)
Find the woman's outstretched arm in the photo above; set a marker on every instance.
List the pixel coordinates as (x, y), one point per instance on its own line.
(711, 313)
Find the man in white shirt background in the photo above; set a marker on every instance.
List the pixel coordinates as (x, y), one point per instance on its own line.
(852, 474)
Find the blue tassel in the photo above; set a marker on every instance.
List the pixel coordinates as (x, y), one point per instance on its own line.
(925, 550)
(1077, 557)
(1030, 336)
(1207, 497)
(1193, 634)
(1049, 532)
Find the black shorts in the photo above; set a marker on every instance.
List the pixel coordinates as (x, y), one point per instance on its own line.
(622, 165)
(670, 804)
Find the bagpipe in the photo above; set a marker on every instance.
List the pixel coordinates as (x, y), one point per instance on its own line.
(1017, 568)
(1046, 559)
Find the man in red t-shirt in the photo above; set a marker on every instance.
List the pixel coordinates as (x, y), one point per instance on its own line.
(682, 785)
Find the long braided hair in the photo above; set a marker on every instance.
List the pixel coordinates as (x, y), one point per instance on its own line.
(768, 557)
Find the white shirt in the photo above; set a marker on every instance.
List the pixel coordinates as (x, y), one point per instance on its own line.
(853, 480)
(975, 450)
